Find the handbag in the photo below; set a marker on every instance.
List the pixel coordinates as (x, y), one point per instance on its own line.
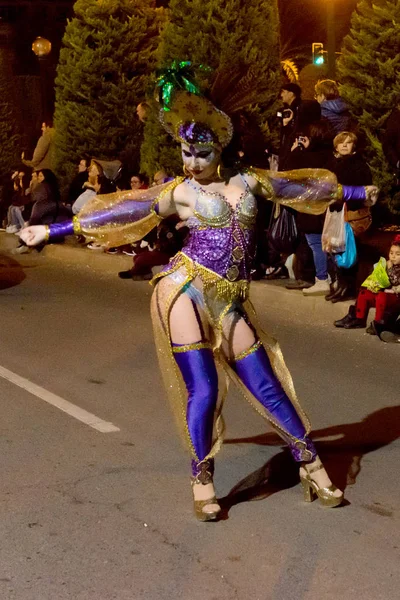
(348, 258)
(360, 220)
(283, 235)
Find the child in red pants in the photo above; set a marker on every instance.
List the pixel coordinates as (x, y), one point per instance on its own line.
(381, 290)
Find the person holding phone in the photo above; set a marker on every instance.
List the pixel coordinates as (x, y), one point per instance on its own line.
(295, 115)
(311, 149)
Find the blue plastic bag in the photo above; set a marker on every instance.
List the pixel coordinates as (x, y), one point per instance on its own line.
(348, 258)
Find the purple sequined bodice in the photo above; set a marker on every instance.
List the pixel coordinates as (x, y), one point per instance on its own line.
(222, 238)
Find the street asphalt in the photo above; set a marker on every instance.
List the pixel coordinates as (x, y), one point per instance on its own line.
(92, 515)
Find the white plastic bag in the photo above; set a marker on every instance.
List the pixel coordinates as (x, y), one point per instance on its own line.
(334, 232)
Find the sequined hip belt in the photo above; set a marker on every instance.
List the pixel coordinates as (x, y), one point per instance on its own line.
(213, 283)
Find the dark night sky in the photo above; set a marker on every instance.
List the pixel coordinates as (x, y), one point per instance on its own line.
(305, 20)
(302, 22)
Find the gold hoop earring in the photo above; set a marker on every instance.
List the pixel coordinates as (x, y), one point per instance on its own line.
(219, 170)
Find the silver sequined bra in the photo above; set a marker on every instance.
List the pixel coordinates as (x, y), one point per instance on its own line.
(221, 238)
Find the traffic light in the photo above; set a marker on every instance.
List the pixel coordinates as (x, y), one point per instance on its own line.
(318, 54)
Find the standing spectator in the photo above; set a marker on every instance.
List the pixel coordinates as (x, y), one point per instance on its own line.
(311, 150)
(391, 140)
(76, 187)
(43, 154)
(333, 107)
(295, 116)
(351, 169)
(251, 145)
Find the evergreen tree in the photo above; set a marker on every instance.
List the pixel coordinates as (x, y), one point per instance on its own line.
(369, 72)
(108, 53)
(217, 34)
(9, 134)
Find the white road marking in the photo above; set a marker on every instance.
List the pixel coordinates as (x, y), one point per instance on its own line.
(67, 407)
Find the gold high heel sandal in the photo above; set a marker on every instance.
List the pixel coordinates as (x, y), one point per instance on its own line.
(204, 477)
(325, 495)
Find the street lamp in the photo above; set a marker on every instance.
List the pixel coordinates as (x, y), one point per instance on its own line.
(42, 48)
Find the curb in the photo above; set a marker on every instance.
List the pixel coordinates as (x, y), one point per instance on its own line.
(275, 296)
(267, 295)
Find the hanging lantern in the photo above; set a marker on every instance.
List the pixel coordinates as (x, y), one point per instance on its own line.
(41, 47)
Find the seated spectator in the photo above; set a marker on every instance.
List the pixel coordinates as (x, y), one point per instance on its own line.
(29, 197)
(90, 187)
(47, 208)
(333, 107)
(351, 169)
(7, 193)
(16, 220)
(161, 177)
(382, 290)
(102, 176)
(138, 181)
(169, 240)
(76, 187)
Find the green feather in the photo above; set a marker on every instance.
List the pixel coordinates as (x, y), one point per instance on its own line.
(178, 76)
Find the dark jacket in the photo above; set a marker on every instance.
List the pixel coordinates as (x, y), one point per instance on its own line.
(337, 113)
(350, 170)
(391, 140)
(305, 112)
(47, 208)
(314, 157)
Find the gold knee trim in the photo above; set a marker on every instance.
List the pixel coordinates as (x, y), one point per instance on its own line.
(249, 351)
(187, 347)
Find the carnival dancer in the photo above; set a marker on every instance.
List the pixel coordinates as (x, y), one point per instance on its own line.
(204, 325)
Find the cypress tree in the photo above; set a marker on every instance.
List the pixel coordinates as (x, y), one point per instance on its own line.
(369, 73)
(9, 130)
(217, 34)
(108, 52)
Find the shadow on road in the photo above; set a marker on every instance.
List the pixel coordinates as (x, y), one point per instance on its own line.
(342, 456)
(11, 272)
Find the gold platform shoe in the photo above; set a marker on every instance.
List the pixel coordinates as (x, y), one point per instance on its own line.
(312, 490)
(204, 477)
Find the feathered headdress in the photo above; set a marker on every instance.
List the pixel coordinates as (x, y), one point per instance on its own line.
(190, 117)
